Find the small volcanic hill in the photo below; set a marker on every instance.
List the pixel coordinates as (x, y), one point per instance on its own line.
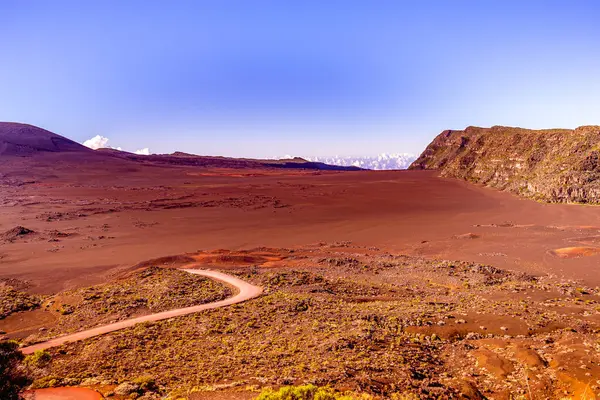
(21, 139)
(552, 165)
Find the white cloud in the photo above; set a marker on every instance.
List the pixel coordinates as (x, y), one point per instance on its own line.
(145, 151)
(97, 142)
(101, 142)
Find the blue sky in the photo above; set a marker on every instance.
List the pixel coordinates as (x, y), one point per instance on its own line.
(266, 78)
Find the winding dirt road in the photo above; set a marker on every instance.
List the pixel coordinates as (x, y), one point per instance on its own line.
(246, 291)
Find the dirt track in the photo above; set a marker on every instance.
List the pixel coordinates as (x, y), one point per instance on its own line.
(246, 292)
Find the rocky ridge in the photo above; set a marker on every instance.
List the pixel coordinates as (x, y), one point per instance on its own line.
(552, 165)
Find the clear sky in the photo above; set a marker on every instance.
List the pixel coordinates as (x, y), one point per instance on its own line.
(266, 78)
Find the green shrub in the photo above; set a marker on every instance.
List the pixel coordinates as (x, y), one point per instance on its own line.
(39, 359)
(306, 392)
(47, 382)
(146, 383)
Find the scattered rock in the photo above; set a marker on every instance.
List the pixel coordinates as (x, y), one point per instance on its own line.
(472, 336)
(15, 233)
(468, 236)
(301, 306)
(127, 388)
(90, 382)
(149, 396)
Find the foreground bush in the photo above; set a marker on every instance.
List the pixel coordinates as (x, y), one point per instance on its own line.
(12, 378)
(306, 392)
(39, 359)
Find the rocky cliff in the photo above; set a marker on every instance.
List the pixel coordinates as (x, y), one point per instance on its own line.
(554, 165)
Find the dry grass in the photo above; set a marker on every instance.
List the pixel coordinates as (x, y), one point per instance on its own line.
(13, 300)
(381, 325)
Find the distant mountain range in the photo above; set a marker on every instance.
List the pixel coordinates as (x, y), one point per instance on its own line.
(381, 162)
(19, 140)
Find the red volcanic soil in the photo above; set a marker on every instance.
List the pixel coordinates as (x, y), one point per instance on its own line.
(67, 393)
(72, 218)
(93, 218)
(94, 213)
(571, 252)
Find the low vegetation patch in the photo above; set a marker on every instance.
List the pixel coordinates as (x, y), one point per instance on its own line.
(13, 300)
(385, 326)
(39, 359)
(308, 392)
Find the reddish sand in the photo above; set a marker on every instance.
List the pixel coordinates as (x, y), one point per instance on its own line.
(574, 252)
(95, 215)
(66, 393)
(93, 218)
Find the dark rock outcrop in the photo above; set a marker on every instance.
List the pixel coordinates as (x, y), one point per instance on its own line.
(15, 233)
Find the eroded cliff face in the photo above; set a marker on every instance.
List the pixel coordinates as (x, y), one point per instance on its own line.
(554, 165)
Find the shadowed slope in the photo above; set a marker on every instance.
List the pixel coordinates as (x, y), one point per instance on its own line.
(21, 139)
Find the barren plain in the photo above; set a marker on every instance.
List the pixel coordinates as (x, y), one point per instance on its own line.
(396, 284)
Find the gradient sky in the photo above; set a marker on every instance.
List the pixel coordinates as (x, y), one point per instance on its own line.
(268, 78)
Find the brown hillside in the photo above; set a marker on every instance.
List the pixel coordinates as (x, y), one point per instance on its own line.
(22, 139)
(554, 165)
